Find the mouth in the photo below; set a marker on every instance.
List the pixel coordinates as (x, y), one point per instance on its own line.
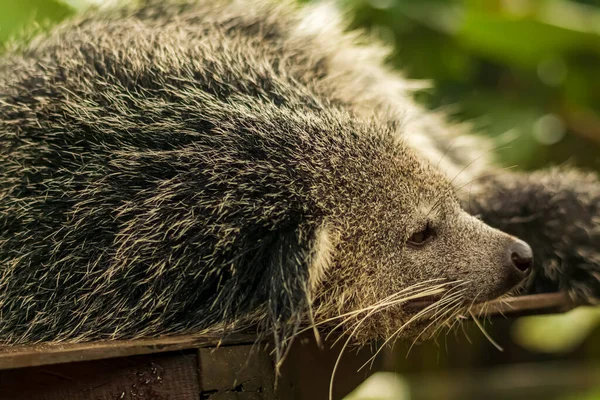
(431, 301)
(423, 302)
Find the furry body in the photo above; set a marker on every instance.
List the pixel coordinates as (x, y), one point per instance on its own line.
(180, 167)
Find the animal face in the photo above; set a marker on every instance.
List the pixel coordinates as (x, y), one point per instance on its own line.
(411, 258)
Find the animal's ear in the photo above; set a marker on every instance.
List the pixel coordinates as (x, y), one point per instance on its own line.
(297, 261)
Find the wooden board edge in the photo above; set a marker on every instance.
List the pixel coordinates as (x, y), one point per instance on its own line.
(47, 354)
(30, 356)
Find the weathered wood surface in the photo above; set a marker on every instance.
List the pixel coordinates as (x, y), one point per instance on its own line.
(201, 367)
(238, 372)
(45, 354)
(27, 356)
(168, 376)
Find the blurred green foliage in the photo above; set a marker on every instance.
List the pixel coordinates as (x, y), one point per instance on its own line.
(569, 330)
(20, 16)
(525, 72)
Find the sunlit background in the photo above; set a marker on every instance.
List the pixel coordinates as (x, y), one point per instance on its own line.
(527, 74)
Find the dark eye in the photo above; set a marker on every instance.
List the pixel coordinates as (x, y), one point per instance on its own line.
(422, 236)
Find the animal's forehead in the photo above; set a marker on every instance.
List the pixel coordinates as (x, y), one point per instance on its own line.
(434, 195)
(426, 179)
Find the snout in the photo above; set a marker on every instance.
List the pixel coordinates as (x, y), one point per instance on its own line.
(520, 256)
(518, 262)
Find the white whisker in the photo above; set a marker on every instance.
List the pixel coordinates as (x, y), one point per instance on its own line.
(485, 333)
(421, 313)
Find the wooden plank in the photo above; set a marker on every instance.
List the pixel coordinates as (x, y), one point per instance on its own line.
(240, 372)
(56, 353)
(248, 372)
(26, 356)
(307, 371)
(236, 373)
(171, 376)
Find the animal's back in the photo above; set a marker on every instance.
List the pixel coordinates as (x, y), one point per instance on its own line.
(128, 139)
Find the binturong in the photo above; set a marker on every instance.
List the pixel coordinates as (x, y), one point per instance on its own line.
(177, 167)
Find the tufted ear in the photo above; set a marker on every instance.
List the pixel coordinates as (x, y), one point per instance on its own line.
(296, 263)
(274, 273)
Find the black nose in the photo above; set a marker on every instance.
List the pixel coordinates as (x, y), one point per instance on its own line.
(521, 255)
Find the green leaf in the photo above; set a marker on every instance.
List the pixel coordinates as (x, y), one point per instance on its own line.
(17, 16)
(523, 42)
(556, 333)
